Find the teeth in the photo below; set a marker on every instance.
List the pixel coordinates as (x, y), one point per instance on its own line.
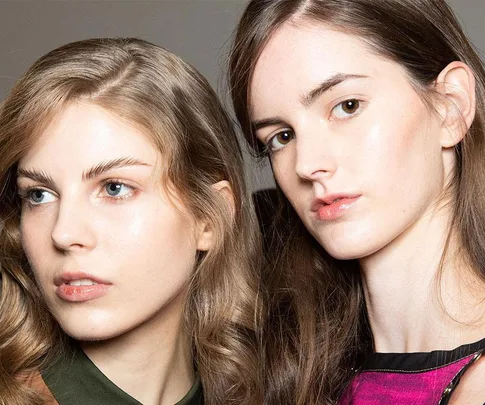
(82, 282)
(334, 201)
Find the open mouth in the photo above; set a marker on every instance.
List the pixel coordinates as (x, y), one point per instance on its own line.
(81, 282)
(334, 201)
(330, 209)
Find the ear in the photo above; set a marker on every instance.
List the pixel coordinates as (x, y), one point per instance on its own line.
(205, 237)
(456, 83)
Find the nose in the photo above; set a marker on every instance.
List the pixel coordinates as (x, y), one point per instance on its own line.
(73, 229)
(314, 154)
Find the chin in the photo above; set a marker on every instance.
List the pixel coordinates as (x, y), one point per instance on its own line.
(340, 253)
(354, 246)
(92, 327)
(93, 335)
(89, 332)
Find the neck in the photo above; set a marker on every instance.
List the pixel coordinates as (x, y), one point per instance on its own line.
(420, 296)
(152, 363)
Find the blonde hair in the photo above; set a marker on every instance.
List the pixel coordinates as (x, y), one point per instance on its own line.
(155, 90)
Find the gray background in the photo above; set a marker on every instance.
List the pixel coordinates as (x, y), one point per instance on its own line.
(197, 30)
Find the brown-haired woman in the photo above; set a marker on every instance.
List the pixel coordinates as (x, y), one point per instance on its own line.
(372, 114)
(127, 235)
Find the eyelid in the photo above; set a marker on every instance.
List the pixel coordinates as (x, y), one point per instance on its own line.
(359, 110)
(273, 136)
(119, 181)
(23, 193)
(125, 183)
(273, 133)
(335, 104)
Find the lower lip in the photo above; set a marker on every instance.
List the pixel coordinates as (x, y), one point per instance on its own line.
(81, 293)
(335, 210)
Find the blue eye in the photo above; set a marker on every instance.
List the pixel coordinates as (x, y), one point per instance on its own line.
(39, 196)
(346, 108)
(280, 140)
(118, 189)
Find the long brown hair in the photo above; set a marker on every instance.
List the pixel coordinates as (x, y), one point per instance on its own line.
(155, 90)
(318, 297)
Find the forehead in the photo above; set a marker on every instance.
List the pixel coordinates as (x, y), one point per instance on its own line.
(300, 56)
(84, 134)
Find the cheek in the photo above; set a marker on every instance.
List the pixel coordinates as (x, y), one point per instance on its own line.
(383, 159)
(36, 240)
(136, 228)
(399, 150)
(154, 238)
(283, 166)
(388, 139)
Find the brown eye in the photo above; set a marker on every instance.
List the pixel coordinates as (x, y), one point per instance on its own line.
(280, 140)
(350, 106)
(284, 137)
(346, 109)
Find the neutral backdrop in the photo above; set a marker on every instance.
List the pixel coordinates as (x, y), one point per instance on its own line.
(197, 30)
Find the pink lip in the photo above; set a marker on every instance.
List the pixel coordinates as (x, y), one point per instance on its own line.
(333, 206)
(80, 293)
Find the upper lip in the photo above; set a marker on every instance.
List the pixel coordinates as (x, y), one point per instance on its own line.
(67, 277)
(328, 199)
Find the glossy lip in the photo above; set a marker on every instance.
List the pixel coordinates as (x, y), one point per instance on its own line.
(80, 293)
(67, 277)
(328, 209)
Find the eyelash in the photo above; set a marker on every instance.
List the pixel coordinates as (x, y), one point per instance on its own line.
(349, 115)
(122, 183)
(25, 195)
(267, 150)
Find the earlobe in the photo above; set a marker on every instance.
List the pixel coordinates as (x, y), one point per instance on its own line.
(456, 83)
(205, 238)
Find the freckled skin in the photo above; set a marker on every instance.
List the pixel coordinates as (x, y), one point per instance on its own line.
(141, 243)
(388, 152)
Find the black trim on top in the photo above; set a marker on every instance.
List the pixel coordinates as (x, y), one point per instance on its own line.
(420, 362)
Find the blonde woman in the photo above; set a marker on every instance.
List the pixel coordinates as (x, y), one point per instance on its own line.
(128, 248)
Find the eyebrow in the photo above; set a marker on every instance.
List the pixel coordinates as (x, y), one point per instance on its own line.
(103, 167)
(308, 99)
(37, 175)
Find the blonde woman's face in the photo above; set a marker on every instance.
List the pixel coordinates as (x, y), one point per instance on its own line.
(110, 253)
(353, 146)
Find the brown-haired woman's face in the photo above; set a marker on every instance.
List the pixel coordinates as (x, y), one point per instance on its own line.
(111, 254)
(353, 146)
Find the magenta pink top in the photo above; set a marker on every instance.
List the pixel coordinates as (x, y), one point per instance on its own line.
(411, 378)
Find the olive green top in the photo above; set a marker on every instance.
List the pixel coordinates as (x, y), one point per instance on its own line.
(75, 380)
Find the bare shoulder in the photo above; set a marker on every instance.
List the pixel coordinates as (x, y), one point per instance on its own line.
(471, 389)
